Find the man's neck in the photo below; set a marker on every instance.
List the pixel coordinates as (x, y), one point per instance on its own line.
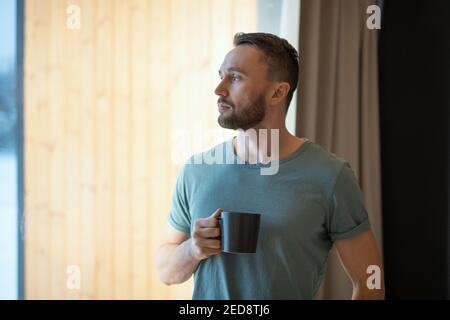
(264, 144)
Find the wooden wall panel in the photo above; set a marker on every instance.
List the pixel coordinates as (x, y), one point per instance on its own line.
(106, 107)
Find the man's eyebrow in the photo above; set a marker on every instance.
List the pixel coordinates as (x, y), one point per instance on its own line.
(236, 69)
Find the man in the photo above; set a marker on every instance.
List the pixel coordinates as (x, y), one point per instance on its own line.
(312, 201)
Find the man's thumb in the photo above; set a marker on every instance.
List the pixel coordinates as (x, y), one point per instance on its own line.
(216, 213)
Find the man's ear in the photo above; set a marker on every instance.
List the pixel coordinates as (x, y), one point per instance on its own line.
(280, 92)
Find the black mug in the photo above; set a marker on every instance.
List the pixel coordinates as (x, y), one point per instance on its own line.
(239, 231)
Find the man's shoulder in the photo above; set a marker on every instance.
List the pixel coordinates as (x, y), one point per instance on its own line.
(325, 157)
(201, 166)
(321, 162)
(218, 154)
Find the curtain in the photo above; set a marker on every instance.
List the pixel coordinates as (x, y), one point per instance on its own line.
(338, 104)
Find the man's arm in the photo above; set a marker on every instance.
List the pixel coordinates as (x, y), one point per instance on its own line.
(174, 261)
(178, 257)
(357, 254)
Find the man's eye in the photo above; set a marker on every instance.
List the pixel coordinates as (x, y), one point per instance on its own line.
(234, 77)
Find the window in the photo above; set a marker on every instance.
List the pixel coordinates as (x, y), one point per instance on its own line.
(10, 98)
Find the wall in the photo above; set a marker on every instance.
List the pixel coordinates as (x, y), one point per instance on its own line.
(103, 105)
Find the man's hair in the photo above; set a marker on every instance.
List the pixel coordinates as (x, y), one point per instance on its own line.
(282, 59)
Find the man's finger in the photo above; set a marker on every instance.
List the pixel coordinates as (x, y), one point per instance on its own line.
(209, 243)
(210, 252)
(207, 223)
(211, 221)
(209, 232)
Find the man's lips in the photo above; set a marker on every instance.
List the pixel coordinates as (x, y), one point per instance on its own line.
(223, 107)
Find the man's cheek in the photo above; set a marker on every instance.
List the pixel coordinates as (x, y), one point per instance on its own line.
(247, 98)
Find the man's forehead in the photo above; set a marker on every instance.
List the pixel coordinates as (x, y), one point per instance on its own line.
(244, 58)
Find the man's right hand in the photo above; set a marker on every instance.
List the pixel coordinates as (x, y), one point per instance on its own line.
(204, 236)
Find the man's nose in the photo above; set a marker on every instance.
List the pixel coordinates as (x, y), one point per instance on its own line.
(221, 89)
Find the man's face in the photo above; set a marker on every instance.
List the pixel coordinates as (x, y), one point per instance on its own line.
(242, 89)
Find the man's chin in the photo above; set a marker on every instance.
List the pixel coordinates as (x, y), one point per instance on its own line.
(233, 125)
(226, 124)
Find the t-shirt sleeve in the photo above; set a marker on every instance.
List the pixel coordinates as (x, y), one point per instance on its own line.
(348, 214)
(179, 216)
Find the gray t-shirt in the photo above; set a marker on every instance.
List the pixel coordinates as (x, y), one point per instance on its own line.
(313, 200)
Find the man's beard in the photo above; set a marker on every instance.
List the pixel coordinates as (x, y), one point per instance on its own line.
(246, 117)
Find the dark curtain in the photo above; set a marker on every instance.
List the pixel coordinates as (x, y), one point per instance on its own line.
(414, 64)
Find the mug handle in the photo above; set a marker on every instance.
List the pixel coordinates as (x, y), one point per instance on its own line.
(221, 231)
